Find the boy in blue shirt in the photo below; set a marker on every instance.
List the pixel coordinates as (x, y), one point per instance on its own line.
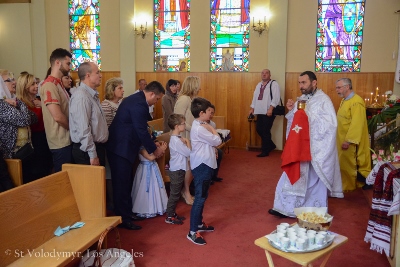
(203, 163)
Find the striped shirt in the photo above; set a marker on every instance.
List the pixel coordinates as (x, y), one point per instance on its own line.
(109, 109)
(87, 123)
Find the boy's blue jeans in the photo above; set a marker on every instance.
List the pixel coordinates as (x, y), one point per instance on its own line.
(202, 179)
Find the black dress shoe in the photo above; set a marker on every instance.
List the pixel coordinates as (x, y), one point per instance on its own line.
(137, 218)
(275, 213)
(367, 186)
(217, 179)
(272, 148)
(129, 226)
(263, 155)
(360, 178)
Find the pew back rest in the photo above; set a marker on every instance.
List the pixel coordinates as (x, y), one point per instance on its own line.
(30, 213)
(15, 170)
(88, 185)
(164, 159)
(165, 137)
(156, 125)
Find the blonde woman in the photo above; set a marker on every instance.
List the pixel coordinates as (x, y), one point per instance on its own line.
(114, 90)
(190, 89)
(41, 163)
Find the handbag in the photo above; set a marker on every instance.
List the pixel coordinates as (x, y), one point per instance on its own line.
(108, 257)
(24, 152)
(279, 110)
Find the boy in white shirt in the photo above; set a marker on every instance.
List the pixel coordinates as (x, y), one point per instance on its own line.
(179, 149)
(202, 162)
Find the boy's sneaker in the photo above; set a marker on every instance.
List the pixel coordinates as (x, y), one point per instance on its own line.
(181, 218)
(173, 220)
(206, 228)
(196, 238)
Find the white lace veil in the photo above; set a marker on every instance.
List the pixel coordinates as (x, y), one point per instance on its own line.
(4, 92)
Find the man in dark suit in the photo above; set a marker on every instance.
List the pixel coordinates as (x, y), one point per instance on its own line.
(127, 133)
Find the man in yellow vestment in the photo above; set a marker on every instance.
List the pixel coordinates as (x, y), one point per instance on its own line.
(352, 137)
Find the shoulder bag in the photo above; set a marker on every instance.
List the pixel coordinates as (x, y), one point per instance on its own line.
(26, 150)
(279, 110)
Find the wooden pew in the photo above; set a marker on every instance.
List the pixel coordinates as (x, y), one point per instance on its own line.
(15, 170)
(30, 213)
(156, 125)
(165, 158)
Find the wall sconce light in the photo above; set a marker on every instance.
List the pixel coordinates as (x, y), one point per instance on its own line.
(260, 27)
(142, 30)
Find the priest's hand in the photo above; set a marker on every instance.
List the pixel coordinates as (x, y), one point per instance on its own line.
(345, 145)
(290, 104)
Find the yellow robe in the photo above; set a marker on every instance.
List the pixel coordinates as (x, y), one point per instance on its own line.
(352, 127)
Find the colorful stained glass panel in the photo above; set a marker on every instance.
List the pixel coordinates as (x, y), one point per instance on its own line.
(229, 36)
(84, 31)
(339, 39)
(172, 35)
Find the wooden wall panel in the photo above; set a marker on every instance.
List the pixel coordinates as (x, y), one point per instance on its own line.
(105, 75)
(231, 93)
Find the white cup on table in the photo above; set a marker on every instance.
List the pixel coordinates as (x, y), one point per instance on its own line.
(291, 234)
(286, 225)
(283, 231)
(293, 240)
(311, 232)
(291, 230)
(311, 239)
(285, 242)
(300, 244)
(324, 233)
(319, 239)
(279, 237)
(280, 227)
(301, 230)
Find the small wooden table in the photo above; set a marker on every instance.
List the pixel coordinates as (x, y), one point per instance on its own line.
(304, 259)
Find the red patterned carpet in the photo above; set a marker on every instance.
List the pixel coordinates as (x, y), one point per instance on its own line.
(237, 208)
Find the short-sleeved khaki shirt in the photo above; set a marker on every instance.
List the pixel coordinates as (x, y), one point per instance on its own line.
(53, 93)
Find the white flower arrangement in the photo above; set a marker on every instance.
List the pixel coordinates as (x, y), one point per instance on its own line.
(388, 92)
(381, 157)
(391, 99)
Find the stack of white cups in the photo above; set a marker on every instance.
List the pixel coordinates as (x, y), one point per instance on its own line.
(299, 238)
(281, 233)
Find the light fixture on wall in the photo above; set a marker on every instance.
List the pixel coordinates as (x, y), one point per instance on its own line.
(260, 27)
(142, 30)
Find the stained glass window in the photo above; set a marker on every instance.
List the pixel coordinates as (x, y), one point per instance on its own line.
(339, 35)
(84, 31)
(230, 29)
(172, 35)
